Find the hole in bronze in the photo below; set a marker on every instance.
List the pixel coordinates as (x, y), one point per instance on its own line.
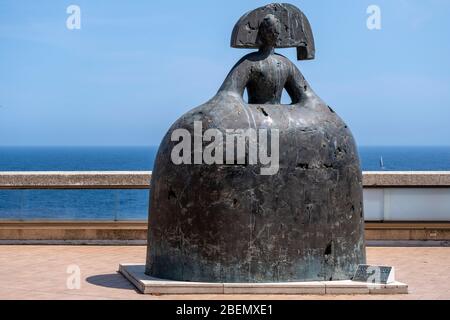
(329, 249)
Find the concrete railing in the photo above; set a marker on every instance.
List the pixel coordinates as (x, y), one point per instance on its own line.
(407, 196)
(141, 180)
(75, 180)
(408, 207)
(407, 179)
(388, 196)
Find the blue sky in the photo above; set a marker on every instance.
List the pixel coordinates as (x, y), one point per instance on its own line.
(136, 66)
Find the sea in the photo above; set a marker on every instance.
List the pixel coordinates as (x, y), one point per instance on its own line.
(132, 205)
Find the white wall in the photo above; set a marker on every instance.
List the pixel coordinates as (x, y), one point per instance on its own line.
(407, 204)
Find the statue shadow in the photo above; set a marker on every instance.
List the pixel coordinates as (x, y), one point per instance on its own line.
(113, 280)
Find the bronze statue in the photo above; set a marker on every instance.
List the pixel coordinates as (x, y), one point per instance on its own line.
(229, 222)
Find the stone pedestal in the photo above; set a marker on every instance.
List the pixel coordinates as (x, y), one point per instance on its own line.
(149, 285)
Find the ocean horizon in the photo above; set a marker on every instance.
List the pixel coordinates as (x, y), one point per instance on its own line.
(129, 205)
(130, 158)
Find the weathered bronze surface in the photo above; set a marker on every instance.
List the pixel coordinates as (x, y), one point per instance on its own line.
(229, 223)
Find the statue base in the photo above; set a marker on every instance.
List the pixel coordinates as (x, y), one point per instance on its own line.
(135, 273)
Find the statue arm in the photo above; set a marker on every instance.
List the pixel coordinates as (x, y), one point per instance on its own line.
(238, 78)
(296, 85)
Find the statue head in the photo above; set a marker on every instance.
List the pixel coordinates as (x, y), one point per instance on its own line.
(279, 25)
(269, 31)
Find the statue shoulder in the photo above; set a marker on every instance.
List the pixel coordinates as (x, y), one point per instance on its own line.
(284, 59)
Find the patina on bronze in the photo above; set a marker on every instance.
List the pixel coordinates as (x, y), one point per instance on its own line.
(229, 223)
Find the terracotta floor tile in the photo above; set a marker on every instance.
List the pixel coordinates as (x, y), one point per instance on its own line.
(40, 272)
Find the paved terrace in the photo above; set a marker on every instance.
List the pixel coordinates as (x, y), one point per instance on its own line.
(40, 272)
